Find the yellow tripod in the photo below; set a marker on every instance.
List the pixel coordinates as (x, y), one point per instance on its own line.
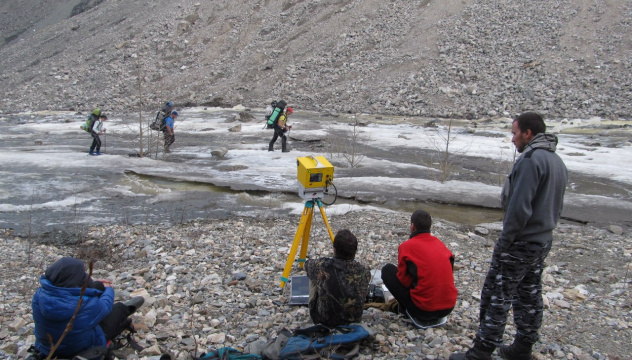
(302, 236)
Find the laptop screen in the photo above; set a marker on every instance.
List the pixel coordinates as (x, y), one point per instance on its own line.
(299, 290)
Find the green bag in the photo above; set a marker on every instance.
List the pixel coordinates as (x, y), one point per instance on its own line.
(228, 353)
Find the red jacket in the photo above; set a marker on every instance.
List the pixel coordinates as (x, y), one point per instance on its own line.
(425, 267)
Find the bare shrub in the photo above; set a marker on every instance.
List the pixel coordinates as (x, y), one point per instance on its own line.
(348, 143)
(447, 156)
(503, 165)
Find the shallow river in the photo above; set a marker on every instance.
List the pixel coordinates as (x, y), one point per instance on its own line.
(50, 188)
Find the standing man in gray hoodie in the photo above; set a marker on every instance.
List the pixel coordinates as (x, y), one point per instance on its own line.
(532, 200)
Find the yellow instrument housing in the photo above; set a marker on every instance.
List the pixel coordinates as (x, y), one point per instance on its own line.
(314, 171)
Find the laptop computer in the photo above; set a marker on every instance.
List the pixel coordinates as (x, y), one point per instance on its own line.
(299, 290)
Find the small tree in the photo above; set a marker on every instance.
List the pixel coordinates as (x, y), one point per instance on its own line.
(446, 161)
(503, 166)
(140, 112)
(447, 155)
(30, 234)
(347, 144)
(351, 148)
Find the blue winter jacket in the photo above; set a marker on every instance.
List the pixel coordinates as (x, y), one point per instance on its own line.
(169, 123)
(52, 309)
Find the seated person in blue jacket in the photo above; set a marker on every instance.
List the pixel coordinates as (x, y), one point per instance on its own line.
(98, 321)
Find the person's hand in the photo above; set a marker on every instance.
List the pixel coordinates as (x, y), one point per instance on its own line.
(498, 249)
(105, 282)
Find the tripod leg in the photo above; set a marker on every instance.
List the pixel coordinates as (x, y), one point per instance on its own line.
(307, 214)
(308, 228)
(322, 213)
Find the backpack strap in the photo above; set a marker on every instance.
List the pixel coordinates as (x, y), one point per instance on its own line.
(118, 342)
(349, 354)
(313, 331)
(334, 353)
(133, 343)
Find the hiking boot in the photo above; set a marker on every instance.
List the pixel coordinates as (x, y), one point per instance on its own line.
(134, 303)
(472, 354)
(98, 153)
(90, 153)
(519, 350)
(424, 324)
(285, 151)
(392, 306)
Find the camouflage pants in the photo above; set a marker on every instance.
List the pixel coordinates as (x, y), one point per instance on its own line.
(513, 280)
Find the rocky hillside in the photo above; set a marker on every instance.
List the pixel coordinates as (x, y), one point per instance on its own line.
(450, 58)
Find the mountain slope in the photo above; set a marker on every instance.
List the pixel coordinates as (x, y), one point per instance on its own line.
(453, 58)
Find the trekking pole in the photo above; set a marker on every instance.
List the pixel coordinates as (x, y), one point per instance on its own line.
(105, 142)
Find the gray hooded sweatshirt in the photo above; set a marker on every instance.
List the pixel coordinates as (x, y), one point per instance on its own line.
(533, 194)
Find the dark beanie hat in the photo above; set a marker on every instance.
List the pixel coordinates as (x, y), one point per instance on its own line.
(67, 272)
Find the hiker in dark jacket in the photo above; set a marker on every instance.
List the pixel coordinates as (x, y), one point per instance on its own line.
(532, 200)
(54, 303)
(338, 286)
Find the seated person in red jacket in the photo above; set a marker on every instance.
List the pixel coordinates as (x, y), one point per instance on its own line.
(423, 281)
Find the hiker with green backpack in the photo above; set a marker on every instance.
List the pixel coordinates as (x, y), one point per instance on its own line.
(94, 125)
(277, 120)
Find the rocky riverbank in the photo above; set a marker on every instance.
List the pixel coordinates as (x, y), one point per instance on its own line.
(214, 283)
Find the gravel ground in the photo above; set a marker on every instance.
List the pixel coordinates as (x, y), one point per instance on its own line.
(215, 283)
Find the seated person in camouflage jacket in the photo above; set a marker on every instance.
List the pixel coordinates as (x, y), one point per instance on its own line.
(338, 285)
